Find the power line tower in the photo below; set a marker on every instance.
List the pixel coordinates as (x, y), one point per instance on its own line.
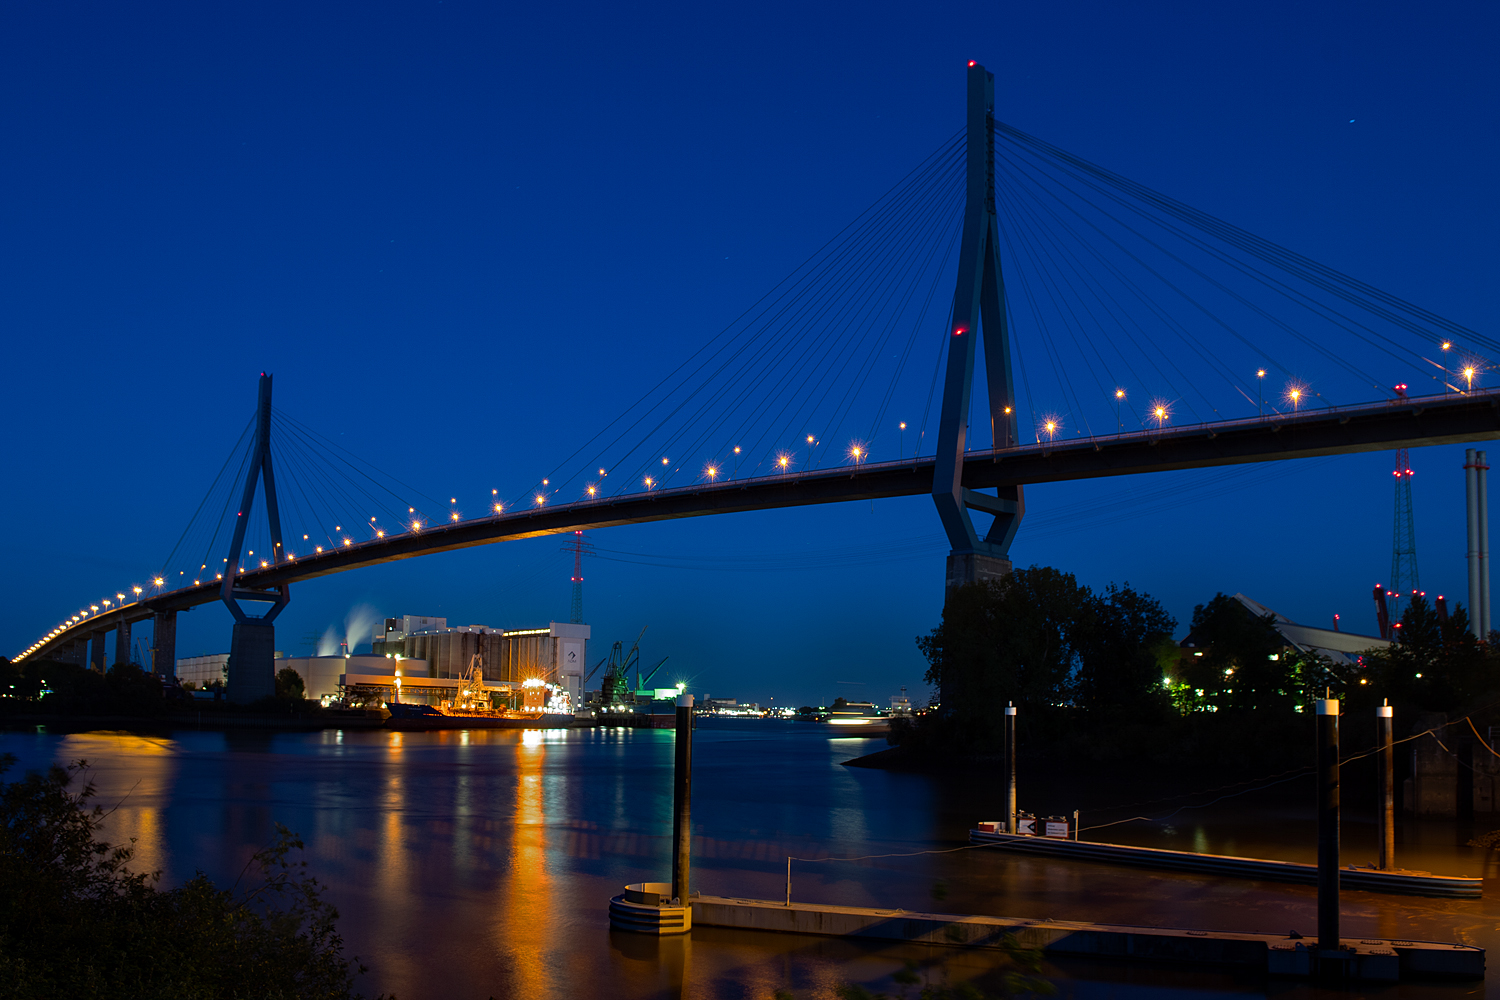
(1404, 580)
(580, 547)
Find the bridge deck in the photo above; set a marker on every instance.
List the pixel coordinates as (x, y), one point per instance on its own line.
(1413, 423)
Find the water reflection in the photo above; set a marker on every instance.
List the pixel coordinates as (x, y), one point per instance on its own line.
(482, 864)
(525, 912)
(134, 778)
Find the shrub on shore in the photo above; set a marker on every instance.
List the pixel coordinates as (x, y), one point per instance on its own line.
(76, 922)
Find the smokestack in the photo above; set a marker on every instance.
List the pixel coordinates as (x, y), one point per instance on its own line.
(1471, 503)
(1382, 617)
(1335, 623)
(1482, 501)
(1442, 609)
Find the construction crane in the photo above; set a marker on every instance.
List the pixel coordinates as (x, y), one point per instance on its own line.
(617, 689)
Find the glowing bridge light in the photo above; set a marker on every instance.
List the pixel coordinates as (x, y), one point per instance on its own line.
(1447, 344)
(1161, 412)
(159, 582)
(540, 500)
(453, 516)
(712, 472)
(783, 461)
(1469, 372)
(649, 482)
(499, 507)
(137, 591)
(93, 607)
(592, 489)
(348, 542)
(664, 460)
(318, 549)
(736, 449)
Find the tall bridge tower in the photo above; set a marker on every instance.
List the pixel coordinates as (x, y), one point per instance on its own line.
(252, 650)
(978, 309)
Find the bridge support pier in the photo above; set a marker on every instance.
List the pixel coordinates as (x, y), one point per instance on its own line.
(97, 661)
(122, 642)
(252, 662)
(974, 567)
(163, 644)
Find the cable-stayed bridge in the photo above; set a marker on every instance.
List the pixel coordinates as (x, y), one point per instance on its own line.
(1118, 330)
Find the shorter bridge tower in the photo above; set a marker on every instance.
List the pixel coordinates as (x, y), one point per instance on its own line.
(252, 651)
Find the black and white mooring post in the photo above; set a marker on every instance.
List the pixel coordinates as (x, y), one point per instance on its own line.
(1010, 768)
(682, 796)
(1383, 723)
(1328, 824)
(663, 907)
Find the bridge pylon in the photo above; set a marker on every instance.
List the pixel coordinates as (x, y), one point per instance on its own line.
(252, 657)
(978, 309)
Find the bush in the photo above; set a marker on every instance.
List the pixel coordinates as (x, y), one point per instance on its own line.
(75, 922)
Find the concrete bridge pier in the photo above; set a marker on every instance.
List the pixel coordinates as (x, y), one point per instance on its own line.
(973, 567)
(163, 644)
(97, 662)
(252, 662)
(122, 642)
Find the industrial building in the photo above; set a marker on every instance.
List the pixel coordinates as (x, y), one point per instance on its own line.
(556, 654)
(203, 671)
(423, 659)
(1341, 647)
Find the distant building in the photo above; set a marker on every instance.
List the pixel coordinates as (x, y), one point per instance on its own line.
(202, 671)
(1340, 647)
(900, 704)
(557, 654)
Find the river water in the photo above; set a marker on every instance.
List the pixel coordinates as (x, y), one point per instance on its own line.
(475, 865)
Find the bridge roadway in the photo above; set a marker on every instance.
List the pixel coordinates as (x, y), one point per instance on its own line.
(1452, 418)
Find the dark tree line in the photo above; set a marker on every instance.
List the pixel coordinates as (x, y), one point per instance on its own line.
(1092, 671)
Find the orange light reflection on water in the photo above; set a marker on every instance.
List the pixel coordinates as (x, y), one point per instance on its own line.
(133, 776)
(526, 910)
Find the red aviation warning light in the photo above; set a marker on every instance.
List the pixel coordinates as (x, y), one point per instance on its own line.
(958, 332)
(971, 62)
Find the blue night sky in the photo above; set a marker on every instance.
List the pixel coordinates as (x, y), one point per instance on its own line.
(464, 236)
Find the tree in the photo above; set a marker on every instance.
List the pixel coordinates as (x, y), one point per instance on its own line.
(75, 921)
(1241, 663)
(1119, 643)
(289, 684)
(1005, 640)
(1434, 665)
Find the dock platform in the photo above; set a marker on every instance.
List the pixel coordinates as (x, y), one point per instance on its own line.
(1396, 881)
(1276, 955)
